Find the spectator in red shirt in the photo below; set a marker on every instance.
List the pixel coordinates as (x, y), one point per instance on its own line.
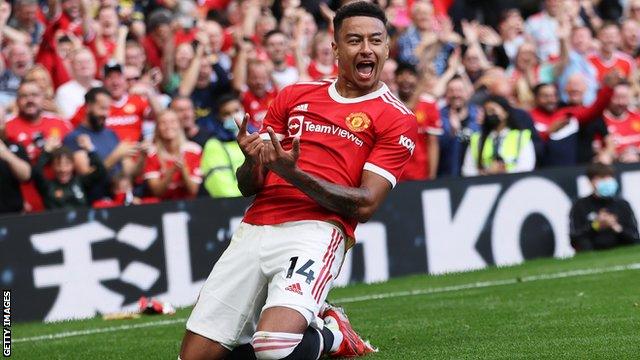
(321, 63)
(104, 35)
(251, 80)
(609, 57)
(423, 165)
(158, 35)
(172, 170)
(559, 127)
(31, 128)
(623, 125)
(40, 75)
(132, 103)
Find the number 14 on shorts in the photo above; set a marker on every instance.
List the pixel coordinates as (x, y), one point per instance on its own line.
(309, 275)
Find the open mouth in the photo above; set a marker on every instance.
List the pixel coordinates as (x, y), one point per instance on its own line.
(365, 69)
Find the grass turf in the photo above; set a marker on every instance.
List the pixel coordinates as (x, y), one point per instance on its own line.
(593, 316)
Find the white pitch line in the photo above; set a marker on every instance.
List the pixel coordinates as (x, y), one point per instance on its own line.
(444, 289)
(484, 284)
(67, 334)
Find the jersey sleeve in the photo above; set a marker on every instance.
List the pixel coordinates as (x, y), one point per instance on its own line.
(152, 167)
(277, 115)
(192, 159)
(393, 148)
(434, 123)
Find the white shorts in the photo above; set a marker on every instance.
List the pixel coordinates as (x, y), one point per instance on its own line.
(291, 265)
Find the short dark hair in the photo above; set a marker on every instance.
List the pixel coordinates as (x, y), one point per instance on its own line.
(158, 18)
(61, 152)
(406, 67)
(607, 24)
(271, 33)
(538, 88)
(599, 169)
(178, 98)
(358, 8)
(92, 95)
(225, 99)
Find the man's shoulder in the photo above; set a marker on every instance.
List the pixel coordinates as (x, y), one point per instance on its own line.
(303, 87)
(394, 107)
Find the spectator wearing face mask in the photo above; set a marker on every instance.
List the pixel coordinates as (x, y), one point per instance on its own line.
(501, 146)
(602, 220)
(221, 159)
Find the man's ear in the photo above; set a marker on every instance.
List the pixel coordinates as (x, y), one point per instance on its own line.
(334, 47)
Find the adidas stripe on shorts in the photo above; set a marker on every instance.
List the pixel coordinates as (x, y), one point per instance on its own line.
(291, 264)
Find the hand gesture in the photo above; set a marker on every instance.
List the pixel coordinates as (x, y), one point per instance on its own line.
(275, 158)
(470, 31)
(125, 149)
(3, 149)
(250, 144)
(557, 125)
(52, 143)
(489, 36)
(5, 12)
(613, 78)
(564, 28)
(455, 59)
(85, 143)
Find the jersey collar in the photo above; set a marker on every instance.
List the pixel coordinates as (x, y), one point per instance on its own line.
(333, 93)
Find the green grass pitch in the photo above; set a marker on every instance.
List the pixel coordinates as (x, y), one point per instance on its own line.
(587, 307)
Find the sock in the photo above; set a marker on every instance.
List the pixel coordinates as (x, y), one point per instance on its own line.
(331, 334)
(242, 352)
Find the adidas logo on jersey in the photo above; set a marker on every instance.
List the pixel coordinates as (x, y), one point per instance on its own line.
(301, 107)
(294, 288)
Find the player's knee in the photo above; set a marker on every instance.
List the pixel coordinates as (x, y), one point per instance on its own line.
(274, 345)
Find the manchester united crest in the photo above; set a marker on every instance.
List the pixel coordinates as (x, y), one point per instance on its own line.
(358, 121)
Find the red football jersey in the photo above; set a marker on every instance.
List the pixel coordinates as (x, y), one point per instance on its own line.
(27, 133)
(625, 131)
(317, 71)
(339, 138)
(257, 107)
(31, 136)
(620, 61)
(429, 123)
(126, 115)
(156, 165)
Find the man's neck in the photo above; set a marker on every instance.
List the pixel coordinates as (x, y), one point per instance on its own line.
(348, 90)
(279, 66)
(86, 82)
(606, 55)
(31, 119)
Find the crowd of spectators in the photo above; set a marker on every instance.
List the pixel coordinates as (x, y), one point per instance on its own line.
(118, 102)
